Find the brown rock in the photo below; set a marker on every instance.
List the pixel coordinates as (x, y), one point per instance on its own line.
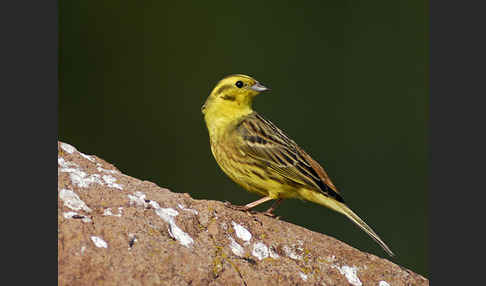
(118, 230)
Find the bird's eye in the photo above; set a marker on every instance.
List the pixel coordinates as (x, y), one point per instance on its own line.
(239, 84)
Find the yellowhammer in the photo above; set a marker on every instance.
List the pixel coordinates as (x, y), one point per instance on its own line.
(257, 155)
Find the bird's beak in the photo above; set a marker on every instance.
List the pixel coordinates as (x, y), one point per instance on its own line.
(258, 87)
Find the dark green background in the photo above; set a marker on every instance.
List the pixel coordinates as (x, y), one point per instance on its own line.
(349, 84)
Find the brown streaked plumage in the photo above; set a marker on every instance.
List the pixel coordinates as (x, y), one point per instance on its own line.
(257, 155)
(264, 142)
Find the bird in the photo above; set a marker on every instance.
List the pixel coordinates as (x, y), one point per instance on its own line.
(261, 158)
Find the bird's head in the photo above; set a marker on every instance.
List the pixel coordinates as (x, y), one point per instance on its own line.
(233, 93)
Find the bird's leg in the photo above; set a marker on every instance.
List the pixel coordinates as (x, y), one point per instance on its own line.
(269, 212)
(249, 206)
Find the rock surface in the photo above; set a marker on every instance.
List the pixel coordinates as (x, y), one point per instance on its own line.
(117, 230)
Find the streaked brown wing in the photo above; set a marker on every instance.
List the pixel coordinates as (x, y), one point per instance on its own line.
(263, 141)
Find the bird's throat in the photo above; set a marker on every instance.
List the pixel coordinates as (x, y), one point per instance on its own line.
(219, 120)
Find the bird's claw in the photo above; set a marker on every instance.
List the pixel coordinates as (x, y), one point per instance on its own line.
(235, 207)
(270, 214)
(248, 211)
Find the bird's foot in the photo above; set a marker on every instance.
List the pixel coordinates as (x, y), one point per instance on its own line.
(248, 210)
(235, 207)
(271, 214)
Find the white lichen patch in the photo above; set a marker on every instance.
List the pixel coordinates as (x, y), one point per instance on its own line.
(182, 207)
(78, 177)
(68, 148)
(108, 212)
(87, 157)
(291, 253)
(106, 170)
(241, 232)
(260, 251)
(383, 283)
(66, 166)
(99, 242)
(110, 181)
(138, 199)
(82, 179)
(303, 276)
(351, 273)
(168, 214)
(72, 201)
(236, 248)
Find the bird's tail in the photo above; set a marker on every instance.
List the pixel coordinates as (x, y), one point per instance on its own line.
(345, 210)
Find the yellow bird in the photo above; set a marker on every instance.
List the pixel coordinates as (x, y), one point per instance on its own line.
(258, 156)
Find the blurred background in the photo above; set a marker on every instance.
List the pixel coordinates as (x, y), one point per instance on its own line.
(349, 84)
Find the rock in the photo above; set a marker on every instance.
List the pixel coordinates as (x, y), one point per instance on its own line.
(117, 230)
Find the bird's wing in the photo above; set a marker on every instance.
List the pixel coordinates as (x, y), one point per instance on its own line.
(263, 141)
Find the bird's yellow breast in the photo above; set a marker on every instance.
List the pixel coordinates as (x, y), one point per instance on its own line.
(246, 172)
